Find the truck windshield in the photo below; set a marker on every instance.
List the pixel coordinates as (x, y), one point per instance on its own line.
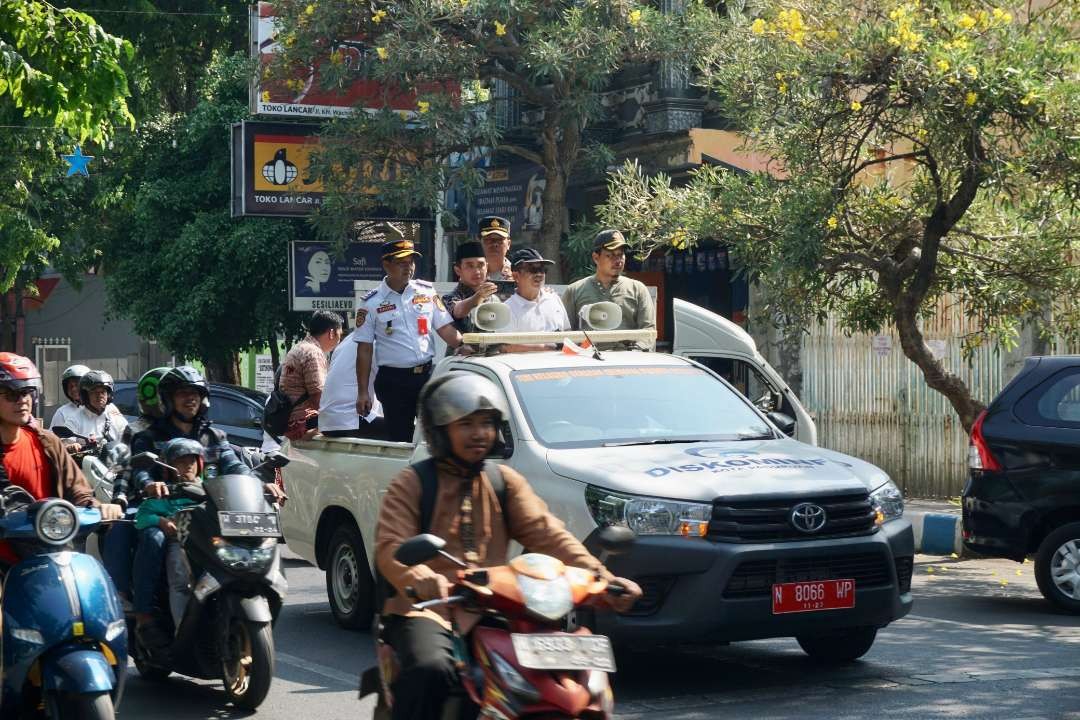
(590, 407)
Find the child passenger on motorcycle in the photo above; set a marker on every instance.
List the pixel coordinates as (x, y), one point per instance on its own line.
(156, 524)
(462, 416)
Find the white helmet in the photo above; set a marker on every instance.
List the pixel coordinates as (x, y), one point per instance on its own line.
(75, 372)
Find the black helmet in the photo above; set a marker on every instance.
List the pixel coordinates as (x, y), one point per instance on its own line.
(74, 372)
(183, 376)
(452, 397)
(91, 380)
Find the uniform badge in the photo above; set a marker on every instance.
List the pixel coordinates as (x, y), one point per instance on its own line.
(390, 328)
(385, 307)
(439, 303)
(369, 294)
(421, 299)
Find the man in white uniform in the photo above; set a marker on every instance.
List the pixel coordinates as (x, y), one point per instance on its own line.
(69, 383)
(98, 419)
(337, 408)
(401, 315)
(534, 308)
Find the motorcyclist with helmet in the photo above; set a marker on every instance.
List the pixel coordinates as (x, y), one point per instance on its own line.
(118, 550)
(462, 416)
(97, 420)
(32, 458)
(69, 383)
(185, 400)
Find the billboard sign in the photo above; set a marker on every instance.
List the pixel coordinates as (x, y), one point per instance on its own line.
(514, 192)
(306, 98)
(321, 280)
(272, 169)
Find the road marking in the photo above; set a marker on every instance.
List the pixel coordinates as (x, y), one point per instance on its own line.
(314, 667)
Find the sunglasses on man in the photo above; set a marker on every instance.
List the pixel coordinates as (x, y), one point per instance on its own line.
(14, 396)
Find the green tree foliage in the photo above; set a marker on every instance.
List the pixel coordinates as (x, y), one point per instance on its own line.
(921, 151)
(59, 70)
(438, 62)
(202, 283)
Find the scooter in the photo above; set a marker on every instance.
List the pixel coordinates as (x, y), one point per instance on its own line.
(520, 661)
(64, 634)
(230, 539)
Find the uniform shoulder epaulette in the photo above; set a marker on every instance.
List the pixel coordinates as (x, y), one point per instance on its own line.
(423, 283)
(369, 294)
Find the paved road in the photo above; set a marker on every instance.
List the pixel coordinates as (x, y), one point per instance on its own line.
(981, 643)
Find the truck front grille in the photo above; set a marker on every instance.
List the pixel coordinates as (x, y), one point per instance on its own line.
(763, 521)
(755, 578)
(904, 567)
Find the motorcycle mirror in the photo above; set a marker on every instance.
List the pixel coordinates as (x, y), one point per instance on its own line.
(419, 549)
(62, 432)
(277, 460)
(144, 460)
(616, 539)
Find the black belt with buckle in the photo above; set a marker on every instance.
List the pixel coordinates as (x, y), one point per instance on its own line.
(418, 370)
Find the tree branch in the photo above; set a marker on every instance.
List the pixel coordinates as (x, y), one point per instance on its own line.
(530, 155)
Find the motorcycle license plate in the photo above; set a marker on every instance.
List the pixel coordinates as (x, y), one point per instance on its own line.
(559, 651)
(240, 524)
(812, 596)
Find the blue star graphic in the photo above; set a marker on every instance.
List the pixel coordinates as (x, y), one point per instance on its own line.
(77, 162)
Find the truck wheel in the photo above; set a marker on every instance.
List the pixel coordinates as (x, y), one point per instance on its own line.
(839, 647)
(1057, 567)
(348, 581)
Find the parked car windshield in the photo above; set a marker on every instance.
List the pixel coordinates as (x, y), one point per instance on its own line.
(611, 405)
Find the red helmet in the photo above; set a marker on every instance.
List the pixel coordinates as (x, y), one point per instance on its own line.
(17, 372)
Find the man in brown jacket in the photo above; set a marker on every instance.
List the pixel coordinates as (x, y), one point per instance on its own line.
(461, 415)
(32, 458)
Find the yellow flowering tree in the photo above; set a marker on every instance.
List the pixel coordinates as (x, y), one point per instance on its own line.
(920, 150)
(447, 57)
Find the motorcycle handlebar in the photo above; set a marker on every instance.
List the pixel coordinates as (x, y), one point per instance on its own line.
(452, 600)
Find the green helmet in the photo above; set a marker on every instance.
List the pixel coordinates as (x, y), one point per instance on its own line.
(147, 393)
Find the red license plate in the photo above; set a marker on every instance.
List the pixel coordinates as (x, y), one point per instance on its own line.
(813, 596)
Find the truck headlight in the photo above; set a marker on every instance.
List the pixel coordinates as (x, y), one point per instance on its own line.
(888, 502)
(647, 515)
(56, 522)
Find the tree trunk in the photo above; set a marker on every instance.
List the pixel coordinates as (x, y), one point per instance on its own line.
(275, 353)
(937, 377)
(222, 370)
(551, 229)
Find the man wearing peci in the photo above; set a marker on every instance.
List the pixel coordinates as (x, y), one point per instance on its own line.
(396, 332)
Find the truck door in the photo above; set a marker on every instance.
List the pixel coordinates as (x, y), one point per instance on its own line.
(729, 351)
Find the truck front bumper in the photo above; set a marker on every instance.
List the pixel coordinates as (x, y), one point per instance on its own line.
(697, 590)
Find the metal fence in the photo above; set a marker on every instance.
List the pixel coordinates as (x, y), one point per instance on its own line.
(870, 401)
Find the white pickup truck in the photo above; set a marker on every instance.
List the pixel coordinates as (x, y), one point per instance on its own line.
(742, 531)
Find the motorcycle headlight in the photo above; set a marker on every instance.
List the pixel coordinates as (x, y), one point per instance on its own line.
(238, 557)
(888, 502)
(550, 599)
(646, 515)
(56, 522)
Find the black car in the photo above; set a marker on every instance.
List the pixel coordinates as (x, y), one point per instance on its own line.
(234, 409)
(1023, 494)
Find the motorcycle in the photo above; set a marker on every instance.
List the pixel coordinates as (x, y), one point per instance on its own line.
(64, 634)
(525, 658)
(102, 461)
(230, 538)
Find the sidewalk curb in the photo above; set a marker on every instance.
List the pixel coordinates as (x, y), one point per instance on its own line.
(936, 533)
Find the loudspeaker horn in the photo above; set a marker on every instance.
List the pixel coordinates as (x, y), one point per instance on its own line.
(601, 316)
(490, 316)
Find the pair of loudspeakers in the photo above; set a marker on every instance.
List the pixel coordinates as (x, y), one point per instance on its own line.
(493, 316)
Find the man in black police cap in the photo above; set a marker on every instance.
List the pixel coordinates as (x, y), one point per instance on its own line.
(400, 316)
(495, 237)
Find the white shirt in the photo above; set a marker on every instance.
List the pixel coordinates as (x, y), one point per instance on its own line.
(337, 409)
(546, 314)
(401, 325)
(64, 416)
(91, 425)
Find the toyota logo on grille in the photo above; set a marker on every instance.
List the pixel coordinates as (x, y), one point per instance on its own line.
(808, 518)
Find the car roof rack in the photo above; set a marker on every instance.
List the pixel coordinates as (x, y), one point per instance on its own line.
(631, 339)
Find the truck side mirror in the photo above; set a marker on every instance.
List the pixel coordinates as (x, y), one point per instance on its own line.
(783, 421)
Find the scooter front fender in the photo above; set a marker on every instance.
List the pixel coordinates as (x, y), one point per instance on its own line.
(256, 609)
(77, 669)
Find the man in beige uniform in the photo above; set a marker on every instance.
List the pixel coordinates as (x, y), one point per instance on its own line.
(462, 416)
(495, 237)
(610, 285)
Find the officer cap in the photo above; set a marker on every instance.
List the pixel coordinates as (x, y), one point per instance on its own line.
(494, 225)
(396, 246)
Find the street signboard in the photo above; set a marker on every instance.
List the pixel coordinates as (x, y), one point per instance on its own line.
(271, 164)
(319, 279)
(264, 373)
(307, 98)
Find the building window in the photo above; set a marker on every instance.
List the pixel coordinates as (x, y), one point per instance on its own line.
(52, 356)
